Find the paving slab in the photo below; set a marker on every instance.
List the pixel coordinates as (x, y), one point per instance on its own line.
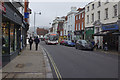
(29, 64)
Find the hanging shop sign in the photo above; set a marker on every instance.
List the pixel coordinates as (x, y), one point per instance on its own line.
(26, 15)
(111, 27)
(2, 8)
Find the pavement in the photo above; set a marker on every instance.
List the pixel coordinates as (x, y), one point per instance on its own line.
(29, 64)
(112, 52)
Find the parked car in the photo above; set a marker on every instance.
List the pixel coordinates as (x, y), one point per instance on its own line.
(69, 43)
(83, 44)
(62, 42)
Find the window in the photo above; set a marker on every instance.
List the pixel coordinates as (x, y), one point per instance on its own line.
(106, 13)
(87, 8)
(93, 17)
(12, 38)
(98, 15)
(76, 26)
(79, 17)
(99, 4)
(82, 26)
(76, 17)
(107, 1)
(5, 38)
(92, 6)
(87, 19)
(115, 10)
(79, 26)
(82, 15)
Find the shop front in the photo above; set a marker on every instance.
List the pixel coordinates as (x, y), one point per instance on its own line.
(110, 35)
(89, 31)
(11, 24)
(79, 34)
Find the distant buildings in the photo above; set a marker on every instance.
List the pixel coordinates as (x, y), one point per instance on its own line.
(98, 21)
(71, 23)
(41, 32)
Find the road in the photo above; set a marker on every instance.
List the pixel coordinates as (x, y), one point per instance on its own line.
(72, 63)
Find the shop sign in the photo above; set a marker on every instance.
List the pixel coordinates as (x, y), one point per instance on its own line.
(26, 15)
(111, 27)
(77, 32)
(3, 8)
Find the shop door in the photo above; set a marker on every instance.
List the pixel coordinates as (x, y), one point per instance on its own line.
(112, 42)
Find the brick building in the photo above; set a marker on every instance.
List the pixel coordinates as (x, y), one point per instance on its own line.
(41, 31)
(79, 24)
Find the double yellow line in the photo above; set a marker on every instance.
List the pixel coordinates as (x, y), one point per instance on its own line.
(54, 66)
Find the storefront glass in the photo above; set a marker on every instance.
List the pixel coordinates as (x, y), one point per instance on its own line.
(5, 38)
(12, 38)
(89, 33)
(15, 39)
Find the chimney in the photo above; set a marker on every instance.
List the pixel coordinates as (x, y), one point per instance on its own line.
(73, 8)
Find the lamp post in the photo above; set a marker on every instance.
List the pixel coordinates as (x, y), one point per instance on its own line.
(34, 21)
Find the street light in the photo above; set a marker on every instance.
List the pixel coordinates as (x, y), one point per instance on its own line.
(34, 21)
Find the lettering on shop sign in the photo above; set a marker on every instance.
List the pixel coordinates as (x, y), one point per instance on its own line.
(111, 27)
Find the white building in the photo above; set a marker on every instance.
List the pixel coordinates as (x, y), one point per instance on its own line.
(71, 23)
(55, 23)
(101, 16)
(65, 28)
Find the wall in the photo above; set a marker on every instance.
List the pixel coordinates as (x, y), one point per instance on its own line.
(102, 13)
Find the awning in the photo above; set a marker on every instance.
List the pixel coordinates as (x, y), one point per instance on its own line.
(103, 33)
(116, 33)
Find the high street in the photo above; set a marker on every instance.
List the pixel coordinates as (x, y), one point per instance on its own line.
(72, 63)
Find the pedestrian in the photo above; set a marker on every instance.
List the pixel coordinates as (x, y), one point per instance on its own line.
(37, 42)
(30, 42)
(106, 47)
(97, 44)
(93, 43)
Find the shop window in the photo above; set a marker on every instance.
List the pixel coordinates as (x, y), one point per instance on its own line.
(12, 38)
(5, 38)
(15, 39)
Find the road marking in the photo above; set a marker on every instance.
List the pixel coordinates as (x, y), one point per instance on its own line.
(54, 65)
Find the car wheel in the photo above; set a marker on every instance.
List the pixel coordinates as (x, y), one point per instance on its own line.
(91, 49)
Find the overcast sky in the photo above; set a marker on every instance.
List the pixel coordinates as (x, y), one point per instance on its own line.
(49, 10)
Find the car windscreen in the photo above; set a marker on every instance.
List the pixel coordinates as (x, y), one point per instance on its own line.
(84, 42)
(53, 38)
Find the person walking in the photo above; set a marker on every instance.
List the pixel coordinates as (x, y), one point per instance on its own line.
(37, 42)
(30, 42)
(97, 44)
(93, 43)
